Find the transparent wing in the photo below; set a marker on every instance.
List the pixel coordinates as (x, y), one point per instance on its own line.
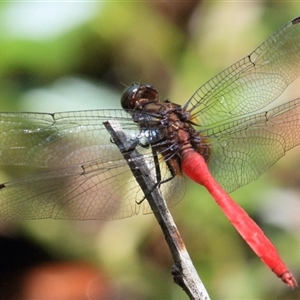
(251, 83)
(60, 139)
(85, 176)
(244, 149)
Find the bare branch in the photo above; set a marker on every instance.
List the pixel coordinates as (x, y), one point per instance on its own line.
(183, 270)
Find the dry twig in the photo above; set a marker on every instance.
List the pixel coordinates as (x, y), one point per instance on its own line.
(184, 273)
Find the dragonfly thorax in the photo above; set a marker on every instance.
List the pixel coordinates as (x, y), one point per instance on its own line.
(166, 126)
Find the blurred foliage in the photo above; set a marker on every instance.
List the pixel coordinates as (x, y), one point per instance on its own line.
(176, 47)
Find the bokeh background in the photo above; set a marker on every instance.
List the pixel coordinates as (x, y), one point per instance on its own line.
(62, 56)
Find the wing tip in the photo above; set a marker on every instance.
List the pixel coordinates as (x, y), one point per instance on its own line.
(296, 20)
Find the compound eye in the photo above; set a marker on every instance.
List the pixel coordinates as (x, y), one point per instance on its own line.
(137, 94)
(128, 96)
(147, 91)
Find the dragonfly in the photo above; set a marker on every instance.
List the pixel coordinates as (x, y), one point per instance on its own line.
(223, 138)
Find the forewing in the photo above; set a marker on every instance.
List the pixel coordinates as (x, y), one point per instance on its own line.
(251, 83)
(244, 149)
(61, 139)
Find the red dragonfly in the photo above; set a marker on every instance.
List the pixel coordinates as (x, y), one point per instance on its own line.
(222, 138)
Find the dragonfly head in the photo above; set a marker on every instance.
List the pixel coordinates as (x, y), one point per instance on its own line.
(138, 95)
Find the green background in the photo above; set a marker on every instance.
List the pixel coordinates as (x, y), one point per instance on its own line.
(73, 56)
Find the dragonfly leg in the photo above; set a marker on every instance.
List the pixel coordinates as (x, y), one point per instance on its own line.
(132, 145)
(159, 180)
